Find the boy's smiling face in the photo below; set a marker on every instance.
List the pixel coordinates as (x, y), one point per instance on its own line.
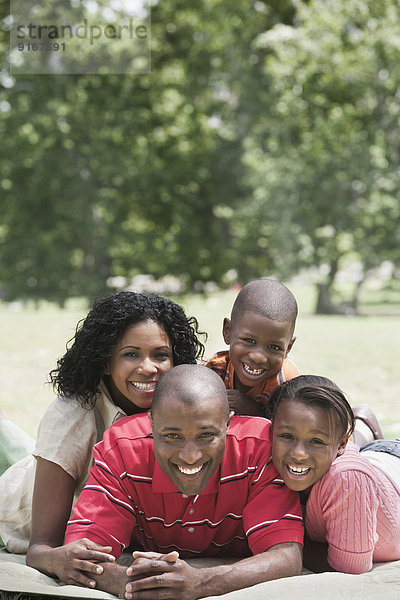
(257, 346)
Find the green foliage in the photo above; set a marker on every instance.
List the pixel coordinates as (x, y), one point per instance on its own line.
(264, 140)
(327, 152)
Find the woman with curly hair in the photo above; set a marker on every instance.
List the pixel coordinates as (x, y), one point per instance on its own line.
(110, 370)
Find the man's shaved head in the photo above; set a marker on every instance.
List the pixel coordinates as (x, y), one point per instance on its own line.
(190, 384)
(190, 420)
(267, 298)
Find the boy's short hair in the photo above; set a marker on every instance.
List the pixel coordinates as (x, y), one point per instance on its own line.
(268, 298)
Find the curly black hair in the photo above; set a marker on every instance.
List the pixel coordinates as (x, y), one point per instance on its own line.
(79, 371)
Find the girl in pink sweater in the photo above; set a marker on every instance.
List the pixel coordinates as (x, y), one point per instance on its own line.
(351, 497)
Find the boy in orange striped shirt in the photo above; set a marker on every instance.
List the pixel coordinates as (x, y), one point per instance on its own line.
(260, 335)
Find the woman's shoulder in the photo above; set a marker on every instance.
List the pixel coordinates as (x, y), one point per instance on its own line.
(69, 421)
(65, 407)
(65, 421)
(74, 408)
(66, 435)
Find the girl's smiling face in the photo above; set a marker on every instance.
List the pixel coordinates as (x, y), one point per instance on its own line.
(305, 442)
(141, 356)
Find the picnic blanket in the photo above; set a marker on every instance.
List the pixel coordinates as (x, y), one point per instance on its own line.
(383, 581)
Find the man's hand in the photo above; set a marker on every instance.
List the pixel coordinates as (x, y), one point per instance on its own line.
(162, 576)
(242, 404)
(167, 577)
(72, 562)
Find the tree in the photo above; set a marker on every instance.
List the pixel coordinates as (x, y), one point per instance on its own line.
(327, 155)
(117, 175)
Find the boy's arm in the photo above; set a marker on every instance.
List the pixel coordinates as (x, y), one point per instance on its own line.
(242, 404)
(181, 581)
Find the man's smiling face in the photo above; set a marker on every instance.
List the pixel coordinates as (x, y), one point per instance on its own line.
(189, 439)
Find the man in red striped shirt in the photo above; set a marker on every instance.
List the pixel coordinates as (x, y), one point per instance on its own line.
(192, 481)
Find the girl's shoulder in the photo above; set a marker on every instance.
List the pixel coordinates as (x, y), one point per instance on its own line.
(350, 460)
(350, 470)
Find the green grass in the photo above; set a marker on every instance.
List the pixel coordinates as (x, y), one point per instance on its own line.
(14, 596)
(359, 353)
(32, 340)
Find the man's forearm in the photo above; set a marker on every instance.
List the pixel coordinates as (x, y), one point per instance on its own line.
(282, 560)
(113, 579)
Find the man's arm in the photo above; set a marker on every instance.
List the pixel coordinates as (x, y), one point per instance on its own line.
(104, 512)
(113, 579)
(181, 581)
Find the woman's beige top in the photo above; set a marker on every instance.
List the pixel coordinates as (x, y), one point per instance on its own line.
(66, 436)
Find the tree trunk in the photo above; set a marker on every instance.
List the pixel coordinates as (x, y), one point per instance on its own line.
(357, 295)
(325, 305)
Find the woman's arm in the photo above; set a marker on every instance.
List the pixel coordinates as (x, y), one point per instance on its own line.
(53, 495)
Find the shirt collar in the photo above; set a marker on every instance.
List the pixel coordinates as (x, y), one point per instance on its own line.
(230, 374)
(264, 388)
(109, 412)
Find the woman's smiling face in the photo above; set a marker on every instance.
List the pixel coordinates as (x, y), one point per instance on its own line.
(141, 356)
(305, 442)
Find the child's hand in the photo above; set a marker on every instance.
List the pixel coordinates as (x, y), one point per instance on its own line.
(242, 404)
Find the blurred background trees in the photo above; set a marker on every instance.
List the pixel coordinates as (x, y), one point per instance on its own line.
(265, 141)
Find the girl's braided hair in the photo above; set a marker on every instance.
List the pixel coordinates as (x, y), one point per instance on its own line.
(79, 371)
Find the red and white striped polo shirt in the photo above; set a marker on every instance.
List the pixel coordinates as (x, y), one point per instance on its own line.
(129, 501)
